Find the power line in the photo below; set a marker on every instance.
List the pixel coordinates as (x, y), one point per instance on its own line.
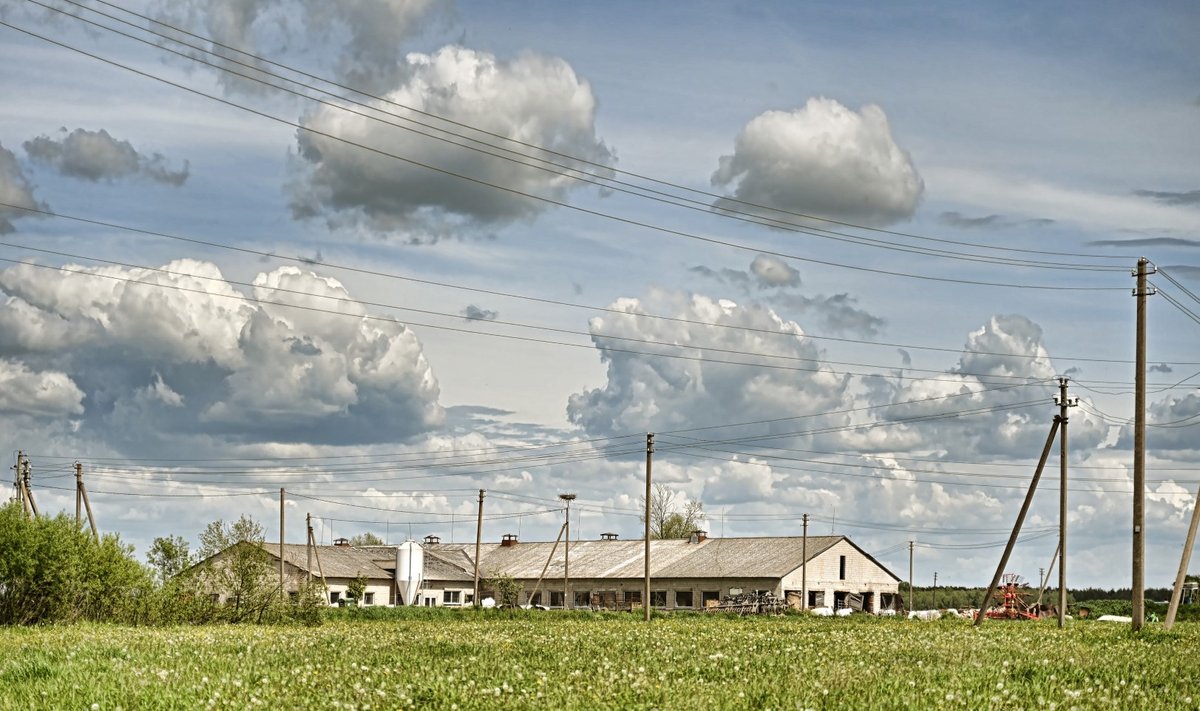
(575, 159)
(548, 200)
(553, 302)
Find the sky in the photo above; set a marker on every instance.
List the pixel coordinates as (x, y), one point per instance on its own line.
(384, 254)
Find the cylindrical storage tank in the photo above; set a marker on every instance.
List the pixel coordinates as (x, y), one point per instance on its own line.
(410, 565)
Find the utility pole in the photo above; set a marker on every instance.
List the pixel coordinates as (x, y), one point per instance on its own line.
(1063, 403)
(804, 567)
(478, 539)
(1016, 531)
(1177, 591)
(81, 493)
(567, 554)
(910, 575)
(30, 504)
(1139, 450)
(308, 545)
(282, 593)
(933, 601)
(649, 462)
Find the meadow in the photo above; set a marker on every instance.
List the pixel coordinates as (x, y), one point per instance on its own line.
(488, 659)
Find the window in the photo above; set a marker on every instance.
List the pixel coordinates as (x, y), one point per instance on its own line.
(632, 596)
(334, 596)
(683, 598)
(841, 567)
(535, 598)
(469, 598)
(431, 602)
(369, 598)
(658, 598)
(451, 597)
(710, 596)
(556, 598)
(583, 599)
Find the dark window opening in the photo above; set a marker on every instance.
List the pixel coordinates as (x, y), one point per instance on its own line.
(683, 598)
(841, 567)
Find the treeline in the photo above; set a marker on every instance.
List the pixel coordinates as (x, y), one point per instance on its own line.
(942, 597)
(52, 571)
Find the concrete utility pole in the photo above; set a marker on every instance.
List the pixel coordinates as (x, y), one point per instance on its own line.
(567, 554)
(308, 545)
(804, 567)
(17, 468)
(1139, 449)
(282, 593)
(81, 494)
(1016, 531)
(26, 477)
(1177, 591)
(910, 575)
(478, 539)
(933, 601)
(649, 462)
(1063, 403)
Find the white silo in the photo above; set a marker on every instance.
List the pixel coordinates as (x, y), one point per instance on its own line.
(410, 564)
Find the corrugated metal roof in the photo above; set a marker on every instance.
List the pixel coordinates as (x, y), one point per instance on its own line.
(771, 557)
(767, 557)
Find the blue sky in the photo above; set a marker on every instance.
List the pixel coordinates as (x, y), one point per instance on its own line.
(1049, 130)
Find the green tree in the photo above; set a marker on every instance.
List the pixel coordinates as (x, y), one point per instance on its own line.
(356, 588)
(669, 517)
(168, 556)
(366, 539)
(235, 565)
(508, 590)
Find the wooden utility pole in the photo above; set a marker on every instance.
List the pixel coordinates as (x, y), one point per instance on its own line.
(312, 542)
(567, 601)
(282, 593)
(478, 540)
(1180, 576)
(804, 566)
(910, 575)
(1139, 451)
(308, 545)
(649, 463)
(1016, 531)
(546, 567)
(933, 601)
(1063, 403)
(81, 494)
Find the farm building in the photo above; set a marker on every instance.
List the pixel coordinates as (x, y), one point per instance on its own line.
(607, 573)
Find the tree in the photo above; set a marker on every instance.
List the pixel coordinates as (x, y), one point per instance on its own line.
(668, 517)
(508, 590)
(169, 557)
(235, 564)
(356, 588)
(366, 539)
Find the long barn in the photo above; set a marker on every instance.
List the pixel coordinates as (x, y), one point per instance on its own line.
(608, 573)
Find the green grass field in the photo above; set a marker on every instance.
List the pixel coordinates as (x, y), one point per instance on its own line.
(465, 660)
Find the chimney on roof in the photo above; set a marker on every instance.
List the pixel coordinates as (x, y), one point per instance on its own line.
(432, 540)
(697, 536)
(341, 542)
(508, 540)
(608, 536)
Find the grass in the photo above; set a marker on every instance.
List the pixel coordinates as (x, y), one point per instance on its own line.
(484, 660)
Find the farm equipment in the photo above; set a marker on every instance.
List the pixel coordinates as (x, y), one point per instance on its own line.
(755, 602)
(1012, 604)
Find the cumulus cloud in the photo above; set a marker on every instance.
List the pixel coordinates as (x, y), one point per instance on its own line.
(46, 394)
(365, 38)
(475, 313)
(96, 156)
(156, 362)
(823, 159)
(532, 98)
(15, 189)
(773, 272)
(648, 393)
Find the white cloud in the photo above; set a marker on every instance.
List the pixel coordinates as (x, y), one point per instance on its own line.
(48, 393)
(15, 189)
(654, 394)
(823, 159)
(772, 272)
(95, 156)
(532, 98)
(166, 364)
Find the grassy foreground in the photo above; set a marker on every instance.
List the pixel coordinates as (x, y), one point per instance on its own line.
(470, 660)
